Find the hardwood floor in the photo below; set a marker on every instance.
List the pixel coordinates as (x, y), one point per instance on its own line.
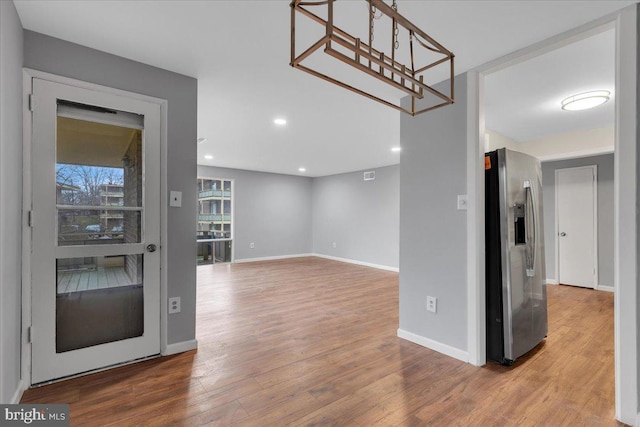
(308, 341)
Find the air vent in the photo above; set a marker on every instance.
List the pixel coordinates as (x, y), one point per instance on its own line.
(369, 175)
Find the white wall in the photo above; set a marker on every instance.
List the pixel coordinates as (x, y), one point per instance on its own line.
(361, 217)
(271, 210)
(11, 44)
(496, 140)
(592, 140)
(573, 144)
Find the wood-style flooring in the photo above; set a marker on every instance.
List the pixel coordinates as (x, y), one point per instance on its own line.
(308, 341)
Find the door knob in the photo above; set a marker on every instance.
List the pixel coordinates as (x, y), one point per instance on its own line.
(563, 234)
(151, 247)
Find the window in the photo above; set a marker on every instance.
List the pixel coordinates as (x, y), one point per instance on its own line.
(213, 232)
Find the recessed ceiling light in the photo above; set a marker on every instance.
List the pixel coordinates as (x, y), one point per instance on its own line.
(302, 169)
(396, 149)
(280, 121)
(201, 140)
(586, 100)
(208, 156)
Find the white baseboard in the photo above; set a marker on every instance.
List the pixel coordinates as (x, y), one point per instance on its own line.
(551, 282)
(271, 258)
(353, 261)
(347, 260)
(22, 386)
(456, 353)
(605, 288)
(180, 347)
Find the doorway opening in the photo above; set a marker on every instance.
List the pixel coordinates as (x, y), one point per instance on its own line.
(92, 280)
(215, 221)
(624, 26)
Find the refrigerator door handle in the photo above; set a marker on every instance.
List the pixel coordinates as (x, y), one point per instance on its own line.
(530, 202)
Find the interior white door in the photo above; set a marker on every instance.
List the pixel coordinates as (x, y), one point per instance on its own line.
(95, 275)
(576, 226)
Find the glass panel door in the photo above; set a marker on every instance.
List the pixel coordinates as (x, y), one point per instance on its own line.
(99, 202)
(95, 194)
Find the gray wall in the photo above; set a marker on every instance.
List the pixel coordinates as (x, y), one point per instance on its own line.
(11, 43)
(361, 217)
(71, 60)
(271, 210)
(605, 213)
(433, 234)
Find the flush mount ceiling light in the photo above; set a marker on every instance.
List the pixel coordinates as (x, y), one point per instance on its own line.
(302, 169)
(208, 157)
(586, 100)
(396, 149)
(413, 53)
(280, 121)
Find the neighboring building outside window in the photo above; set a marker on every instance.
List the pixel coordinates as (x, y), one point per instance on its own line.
(111, 195)
(213, 231)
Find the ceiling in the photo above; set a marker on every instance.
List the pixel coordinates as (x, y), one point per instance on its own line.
(239, 52)
(523, 101)
(109, 143)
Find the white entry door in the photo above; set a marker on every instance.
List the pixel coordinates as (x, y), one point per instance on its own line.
(576, 219)
(95, 264)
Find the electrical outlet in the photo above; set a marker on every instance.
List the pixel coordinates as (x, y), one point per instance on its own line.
(334, 245)
(432, 304)
(174, 305)
(252, 245)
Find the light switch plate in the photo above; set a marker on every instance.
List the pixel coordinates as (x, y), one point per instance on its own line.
(462, 202)
(175, 199)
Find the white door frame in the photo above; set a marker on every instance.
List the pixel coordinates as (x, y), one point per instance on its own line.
(625, 235)
(28, 76)
(594, 168)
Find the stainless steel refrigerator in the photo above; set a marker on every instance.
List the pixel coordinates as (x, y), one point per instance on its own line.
(516, 293)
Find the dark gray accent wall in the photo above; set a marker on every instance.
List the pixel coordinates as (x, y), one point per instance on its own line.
(361, 217)
(271, 210)
(59, 57)
(11, 45)
(605, 213)
(433, 234)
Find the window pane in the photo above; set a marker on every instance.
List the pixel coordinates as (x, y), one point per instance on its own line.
(210, 252)
(214, 220)
(214, 209)
(98, 164)
(98, 227)
(98, 300)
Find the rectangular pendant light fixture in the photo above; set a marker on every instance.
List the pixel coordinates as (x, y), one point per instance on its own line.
(407, 77)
